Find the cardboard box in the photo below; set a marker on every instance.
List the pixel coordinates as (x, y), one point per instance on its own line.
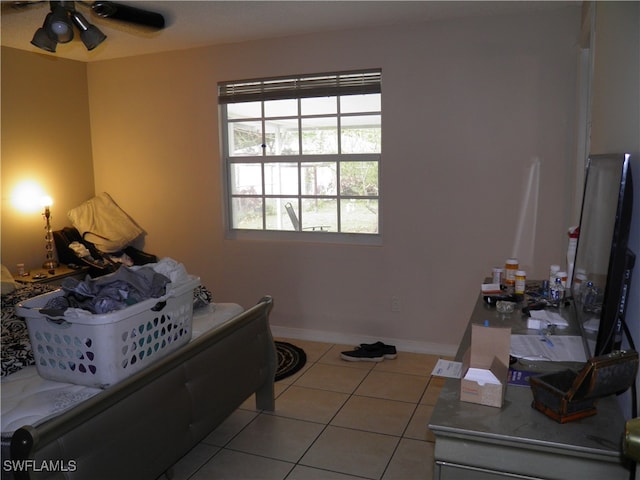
(485, 367)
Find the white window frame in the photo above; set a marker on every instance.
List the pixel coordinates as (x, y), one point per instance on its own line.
(306, 86)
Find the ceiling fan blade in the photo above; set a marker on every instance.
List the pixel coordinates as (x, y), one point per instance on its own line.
(129, 14)
(19, 5)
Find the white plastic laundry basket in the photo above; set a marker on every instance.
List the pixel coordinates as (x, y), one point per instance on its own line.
(102, 349)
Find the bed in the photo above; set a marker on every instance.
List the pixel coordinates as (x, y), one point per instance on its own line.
(141, 426)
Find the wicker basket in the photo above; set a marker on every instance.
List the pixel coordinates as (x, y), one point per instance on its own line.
(568, 395)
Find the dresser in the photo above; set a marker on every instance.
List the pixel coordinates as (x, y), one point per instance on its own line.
(477, 442)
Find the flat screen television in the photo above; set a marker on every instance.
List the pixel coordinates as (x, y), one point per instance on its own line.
(603, 261)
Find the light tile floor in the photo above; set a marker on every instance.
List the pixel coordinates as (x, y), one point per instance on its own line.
(333, 420)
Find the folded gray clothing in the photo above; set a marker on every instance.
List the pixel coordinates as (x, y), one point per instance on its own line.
(114, 291)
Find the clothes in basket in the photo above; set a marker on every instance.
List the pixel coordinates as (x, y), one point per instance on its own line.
(115, 291)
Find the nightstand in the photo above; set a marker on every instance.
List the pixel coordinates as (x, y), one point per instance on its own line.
(41, 275)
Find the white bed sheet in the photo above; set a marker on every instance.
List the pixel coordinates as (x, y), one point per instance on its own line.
(29, 399)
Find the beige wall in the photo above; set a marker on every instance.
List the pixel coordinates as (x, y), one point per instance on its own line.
(46, 138)
(467, 106)
(616, 79)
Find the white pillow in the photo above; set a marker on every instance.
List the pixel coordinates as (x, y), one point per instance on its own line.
(102, 222)
(8, 283)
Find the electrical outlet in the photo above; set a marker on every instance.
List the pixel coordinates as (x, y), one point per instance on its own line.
(395, 304)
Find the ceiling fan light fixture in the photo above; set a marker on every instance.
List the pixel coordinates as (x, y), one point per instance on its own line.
(58, 25)
(90, 35)
(41, 39)
(60, 21)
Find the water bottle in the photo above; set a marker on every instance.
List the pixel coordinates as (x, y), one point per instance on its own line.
(578, 285)
(556, 291)
(590, 297)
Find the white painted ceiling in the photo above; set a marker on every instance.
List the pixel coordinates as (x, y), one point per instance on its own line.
(199, 23)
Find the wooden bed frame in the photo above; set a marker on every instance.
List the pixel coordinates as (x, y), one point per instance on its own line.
(140, 427)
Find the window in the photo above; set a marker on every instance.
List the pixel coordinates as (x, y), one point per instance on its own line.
(303, 154)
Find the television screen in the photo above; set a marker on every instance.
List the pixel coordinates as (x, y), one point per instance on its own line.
(603, 261)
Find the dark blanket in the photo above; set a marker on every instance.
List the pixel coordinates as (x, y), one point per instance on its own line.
(16, 348)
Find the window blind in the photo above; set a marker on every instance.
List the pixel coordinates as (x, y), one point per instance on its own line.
(301, 86)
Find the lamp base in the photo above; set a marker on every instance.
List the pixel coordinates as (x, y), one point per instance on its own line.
(631, 443)
(50, 265)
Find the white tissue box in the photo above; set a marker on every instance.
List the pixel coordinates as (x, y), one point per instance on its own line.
(485, 366)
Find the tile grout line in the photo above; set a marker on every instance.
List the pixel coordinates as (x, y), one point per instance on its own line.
(328, 423)
(416, 405)
(406, 427)
(350, 396)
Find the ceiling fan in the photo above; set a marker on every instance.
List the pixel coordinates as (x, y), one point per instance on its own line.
(63, 16)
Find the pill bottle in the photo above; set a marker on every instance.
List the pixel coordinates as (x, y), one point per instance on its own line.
(553, 270)
(520, 281)
(563, 278)
(510, 269)
(20, 267)
(497, 275)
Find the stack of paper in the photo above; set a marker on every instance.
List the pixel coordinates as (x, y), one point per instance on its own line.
(543, 318)
(561, 348)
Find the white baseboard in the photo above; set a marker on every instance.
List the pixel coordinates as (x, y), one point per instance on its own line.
(443, 350)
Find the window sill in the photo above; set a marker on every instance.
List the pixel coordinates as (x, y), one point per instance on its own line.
(306, 237)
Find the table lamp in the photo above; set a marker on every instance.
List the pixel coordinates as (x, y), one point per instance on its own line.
(50, 262)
